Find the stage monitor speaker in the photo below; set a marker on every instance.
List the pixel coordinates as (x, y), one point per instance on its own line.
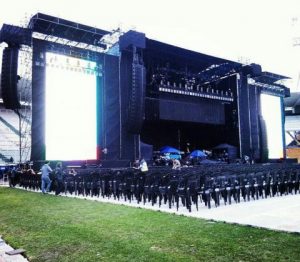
(136, 106)
(9, 78)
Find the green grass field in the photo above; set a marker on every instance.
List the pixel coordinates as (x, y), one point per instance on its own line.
(54, 228)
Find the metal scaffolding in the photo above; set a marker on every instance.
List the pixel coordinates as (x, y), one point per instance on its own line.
(25, 90)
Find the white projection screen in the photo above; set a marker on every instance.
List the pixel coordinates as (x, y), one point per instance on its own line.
(272, 114)
(70, 108)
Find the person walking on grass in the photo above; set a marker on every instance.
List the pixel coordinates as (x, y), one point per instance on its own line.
(46, 181)
(59, 176)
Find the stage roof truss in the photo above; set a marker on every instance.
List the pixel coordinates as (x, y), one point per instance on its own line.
(72, 34)
(216, 72)
(65, 29)
(270, 78)
(67, 42)
(271, 84)
(274, 89)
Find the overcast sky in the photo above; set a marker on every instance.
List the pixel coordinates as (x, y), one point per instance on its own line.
(258, 31)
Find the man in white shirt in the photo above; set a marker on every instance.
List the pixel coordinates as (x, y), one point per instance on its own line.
(143, 166)
(176, 164)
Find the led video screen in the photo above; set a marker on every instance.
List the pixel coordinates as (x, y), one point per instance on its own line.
(70, 108)
(272, 114)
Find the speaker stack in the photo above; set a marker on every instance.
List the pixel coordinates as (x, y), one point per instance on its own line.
(264, 140)
(10, 78)
(136, 106)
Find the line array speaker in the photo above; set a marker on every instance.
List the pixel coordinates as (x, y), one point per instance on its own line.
(136, 106)
(264, 140)
(9, 78)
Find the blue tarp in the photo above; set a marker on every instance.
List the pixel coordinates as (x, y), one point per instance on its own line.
(169, 149)
(197, 153)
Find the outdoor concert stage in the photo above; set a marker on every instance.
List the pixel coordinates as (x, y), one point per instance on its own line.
(115, 97)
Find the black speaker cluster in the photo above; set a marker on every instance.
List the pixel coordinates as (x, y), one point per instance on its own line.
(10, 78)
(254, 70)
(264, 140)
(136, 106)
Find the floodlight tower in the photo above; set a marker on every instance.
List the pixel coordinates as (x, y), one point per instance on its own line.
(296, 41)
(295, 23)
